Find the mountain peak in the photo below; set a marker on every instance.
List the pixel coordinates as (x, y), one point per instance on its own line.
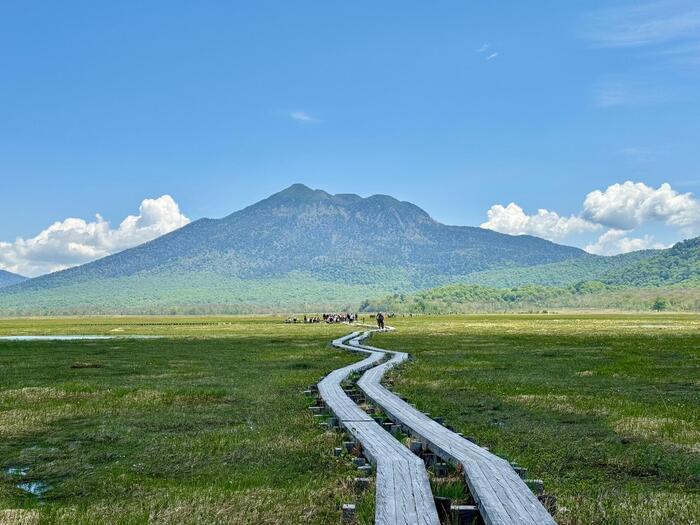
(294, 196)
(297, 187)
(9, 278)
(300, 192)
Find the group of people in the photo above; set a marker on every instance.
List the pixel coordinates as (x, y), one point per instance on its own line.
(340, 318)
(344, 317)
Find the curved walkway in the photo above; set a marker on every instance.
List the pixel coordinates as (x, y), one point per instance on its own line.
(502, 496)
(403, 495)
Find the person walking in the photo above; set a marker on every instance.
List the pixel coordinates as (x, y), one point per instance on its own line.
(380, 320)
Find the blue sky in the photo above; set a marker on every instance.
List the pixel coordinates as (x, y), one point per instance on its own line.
(456, 106)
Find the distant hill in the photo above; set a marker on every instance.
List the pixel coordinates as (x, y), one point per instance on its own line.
(591, 295)
(628, 282)
(297, 248)
(647, 268)
(676, 265)
(587, 268)
(9, 278)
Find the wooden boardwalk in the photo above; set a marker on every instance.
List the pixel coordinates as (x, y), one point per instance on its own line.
(403, 495)
(502, 496)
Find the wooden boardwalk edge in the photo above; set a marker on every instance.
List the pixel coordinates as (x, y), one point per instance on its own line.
(403, 493)
(502, 496)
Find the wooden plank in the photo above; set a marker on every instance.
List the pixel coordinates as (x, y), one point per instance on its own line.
(400, 499)
(502, 496)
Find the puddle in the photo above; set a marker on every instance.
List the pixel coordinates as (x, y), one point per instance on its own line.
(16, 471)
(36, 488)
(72, 337)
(52, 337)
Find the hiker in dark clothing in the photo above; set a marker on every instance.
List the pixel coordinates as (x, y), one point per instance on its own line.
(380, 320)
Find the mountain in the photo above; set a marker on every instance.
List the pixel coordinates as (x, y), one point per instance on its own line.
(633, 281)
(587, 268)
(296, 248)
(679, 264)
(590, 295)
(9, 278)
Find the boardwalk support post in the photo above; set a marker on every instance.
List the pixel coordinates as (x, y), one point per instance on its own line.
(440, 470)
(464, 514)
(348, 513)
(536, 486)
(361, 484)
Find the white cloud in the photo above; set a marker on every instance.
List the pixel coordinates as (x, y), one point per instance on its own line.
(668, 31)
(628, 205)
(484, 48)
(645, 25)
(547, 224)
(76, 241)
(619, 91)
(616, 241)
(302, 116)
(620, 209)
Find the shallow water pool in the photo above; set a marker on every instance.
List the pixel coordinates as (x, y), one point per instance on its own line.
(72, 337)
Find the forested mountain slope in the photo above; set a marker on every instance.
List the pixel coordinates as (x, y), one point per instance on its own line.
(657, 279)
(295, 247)
(678, 264)
(9, 278)
(587, 268)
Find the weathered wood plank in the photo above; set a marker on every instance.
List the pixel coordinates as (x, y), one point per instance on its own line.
(502, 496)
(401, 499)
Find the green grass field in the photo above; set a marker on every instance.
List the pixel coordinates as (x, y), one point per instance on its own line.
(207, 428)
(604, 409)
(209, 424)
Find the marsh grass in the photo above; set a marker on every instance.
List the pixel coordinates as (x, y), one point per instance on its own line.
(210, 425)
(365, 508)
(210, 428)
(452, 488)
(604, 408)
